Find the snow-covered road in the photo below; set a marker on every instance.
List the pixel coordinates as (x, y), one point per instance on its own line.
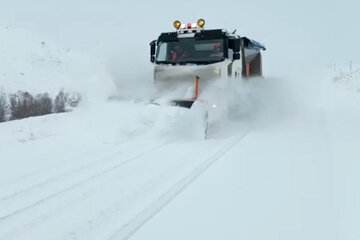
(96, 173)
(97, 191)
(297, 178)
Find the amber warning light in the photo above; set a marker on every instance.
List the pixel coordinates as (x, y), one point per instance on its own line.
(178, 25)
(201, 22)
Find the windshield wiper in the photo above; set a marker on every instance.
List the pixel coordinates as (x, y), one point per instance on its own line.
(209, 61)
(191, 62)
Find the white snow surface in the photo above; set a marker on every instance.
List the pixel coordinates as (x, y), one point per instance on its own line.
(86, 174)
(133, 170)
(295, 178)
(127, 169)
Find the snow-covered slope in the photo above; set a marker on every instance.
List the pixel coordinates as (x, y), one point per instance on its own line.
(31, 63)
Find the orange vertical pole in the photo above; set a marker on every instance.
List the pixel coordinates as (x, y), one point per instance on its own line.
(248, 70)
(197, 87)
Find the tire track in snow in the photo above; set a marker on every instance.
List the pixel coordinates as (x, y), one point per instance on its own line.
(117, 208)
(61, 177)
(42, 170)
(126, 231)
(80, 183)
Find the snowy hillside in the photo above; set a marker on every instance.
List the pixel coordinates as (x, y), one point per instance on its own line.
(34, 64)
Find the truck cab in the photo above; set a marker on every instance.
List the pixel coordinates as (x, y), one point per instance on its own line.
(191, 52)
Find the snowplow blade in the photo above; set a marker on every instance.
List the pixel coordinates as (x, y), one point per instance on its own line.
(187, 103)
(183, 103)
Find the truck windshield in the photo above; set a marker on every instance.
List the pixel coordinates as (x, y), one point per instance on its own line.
(190, 50)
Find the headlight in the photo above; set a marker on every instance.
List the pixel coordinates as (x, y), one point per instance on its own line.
(217, 72)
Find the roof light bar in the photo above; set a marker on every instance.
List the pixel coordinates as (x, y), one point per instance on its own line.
(200, 24)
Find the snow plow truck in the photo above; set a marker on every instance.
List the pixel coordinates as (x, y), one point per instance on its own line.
(191, 58)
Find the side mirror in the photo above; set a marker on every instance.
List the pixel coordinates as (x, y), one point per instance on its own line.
(152, 51)
(237, 43)
(236, 56)
(234, 44)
